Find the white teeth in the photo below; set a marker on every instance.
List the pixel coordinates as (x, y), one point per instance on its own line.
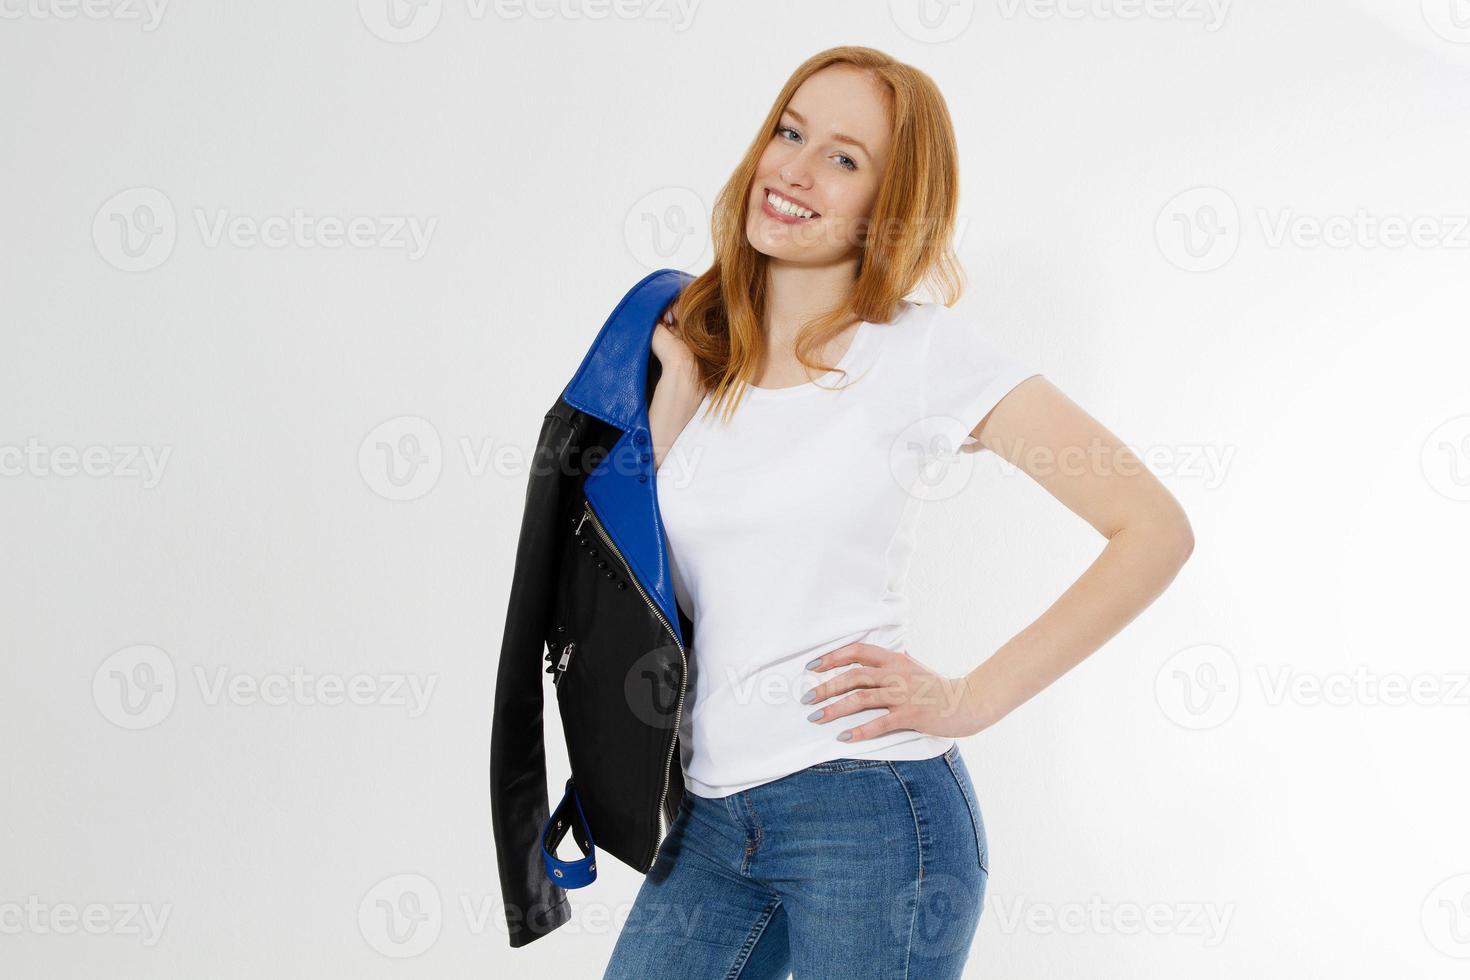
(786, 207)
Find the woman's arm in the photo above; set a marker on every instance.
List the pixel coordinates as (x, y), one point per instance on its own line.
(1041, 431)
(677, 394)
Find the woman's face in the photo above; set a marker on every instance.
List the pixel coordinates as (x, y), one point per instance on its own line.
(826, 157)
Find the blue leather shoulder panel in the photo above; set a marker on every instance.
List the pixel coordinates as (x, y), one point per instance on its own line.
(610, 385)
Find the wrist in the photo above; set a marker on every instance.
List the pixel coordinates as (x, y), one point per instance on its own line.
(681, 372)
(977, 703)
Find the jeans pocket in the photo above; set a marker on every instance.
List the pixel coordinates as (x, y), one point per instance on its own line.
(961, 774)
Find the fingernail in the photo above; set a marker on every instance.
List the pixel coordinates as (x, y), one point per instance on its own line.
(813, 664)
(808, 697)
(815, 714)
(844, 737)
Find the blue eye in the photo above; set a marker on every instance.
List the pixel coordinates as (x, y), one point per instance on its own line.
(848, 163)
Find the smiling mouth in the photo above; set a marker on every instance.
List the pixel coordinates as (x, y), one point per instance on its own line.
(789, 208)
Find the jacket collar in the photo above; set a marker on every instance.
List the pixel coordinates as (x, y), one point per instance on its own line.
(612, 379)
(611, 385)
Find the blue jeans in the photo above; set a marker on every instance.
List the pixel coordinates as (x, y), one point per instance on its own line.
(846, 870)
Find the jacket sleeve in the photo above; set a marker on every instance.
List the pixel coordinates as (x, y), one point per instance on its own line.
(534, 905)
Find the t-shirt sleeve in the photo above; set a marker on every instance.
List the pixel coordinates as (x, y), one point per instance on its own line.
(962, 377)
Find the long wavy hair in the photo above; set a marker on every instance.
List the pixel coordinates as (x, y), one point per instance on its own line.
(905, 242)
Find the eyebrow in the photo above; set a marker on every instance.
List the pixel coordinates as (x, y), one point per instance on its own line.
(839, 137)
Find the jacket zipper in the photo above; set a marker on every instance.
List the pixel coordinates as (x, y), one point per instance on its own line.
(561, 665)
(683, 660)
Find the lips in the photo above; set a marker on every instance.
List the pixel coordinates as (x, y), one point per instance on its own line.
(770, 210)
(795, 200)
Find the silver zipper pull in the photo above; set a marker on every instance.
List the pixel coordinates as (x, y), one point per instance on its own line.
(585, 513)
(561, 665)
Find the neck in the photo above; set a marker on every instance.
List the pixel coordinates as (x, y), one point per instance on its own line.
(796, 294)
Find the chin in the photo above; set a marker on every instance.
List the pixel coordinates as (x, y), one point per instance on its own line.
(763, 244)
(779, 246)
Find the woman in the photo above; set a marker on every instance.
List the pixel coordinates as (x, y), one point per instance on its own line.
(846, 841)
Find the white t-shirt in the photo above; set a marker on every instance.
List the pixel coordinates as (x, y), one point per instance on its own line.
(790, 532)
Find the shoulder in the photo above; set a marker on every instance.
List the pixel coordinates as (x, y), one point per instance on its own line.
(908, 329)
(935, 318)
(950, 337)
(901, 342)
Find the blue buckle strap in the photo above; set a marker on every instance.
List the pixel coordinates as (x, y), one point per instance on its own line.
(568, 874)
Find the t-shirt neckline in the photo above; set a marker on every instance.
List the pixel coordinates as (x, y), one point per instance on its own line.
(826, 382)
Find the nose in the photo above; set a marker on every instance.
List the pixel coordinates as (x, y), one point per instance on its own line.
(796, 172)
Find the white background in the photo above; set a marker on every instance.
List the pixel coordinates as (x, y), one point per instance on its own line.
(1306, 402)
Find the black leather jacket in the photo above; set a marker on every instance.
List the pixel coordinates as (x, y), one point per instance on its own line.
(591, 590)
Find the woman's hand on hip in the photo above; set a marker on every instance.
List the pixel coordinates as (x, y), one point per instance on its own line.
(917, 699)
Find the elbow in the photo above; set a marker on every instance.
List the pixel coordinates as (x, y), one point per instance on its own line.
(1178, 541)
(1171, 539)
(1186, 543)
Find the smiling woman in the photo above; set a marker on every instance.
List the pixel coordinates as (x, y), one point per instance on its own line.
(828, 817)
